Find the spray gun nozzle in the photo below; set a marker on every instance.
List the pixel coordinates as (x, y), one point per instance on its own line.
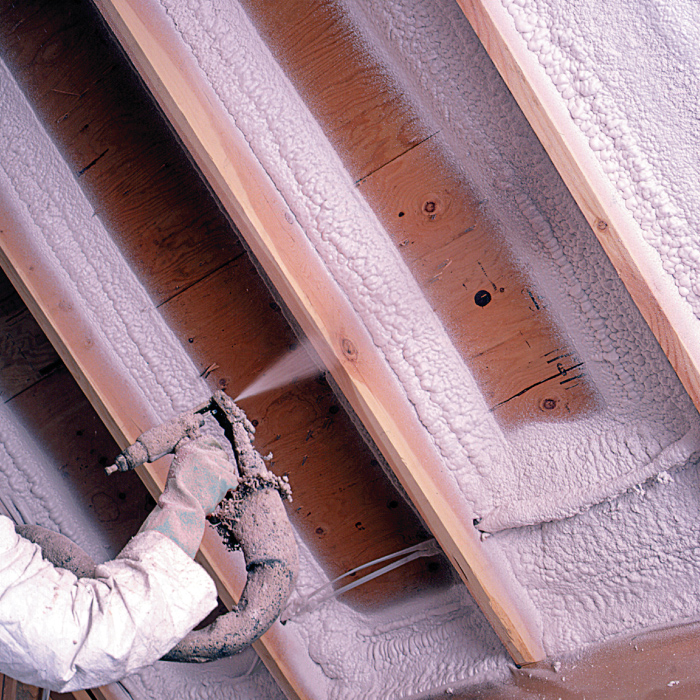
(158, 442)
(163, 439)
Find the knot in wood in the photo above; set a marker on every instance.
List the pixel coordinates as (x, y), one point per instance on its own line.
(349, 349)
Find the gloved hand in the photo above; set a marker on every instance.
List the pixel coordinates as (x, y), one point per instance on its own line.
(199, 478)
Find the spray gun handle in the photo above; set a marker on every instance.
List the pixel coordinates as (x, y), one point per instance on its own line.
(157, 442)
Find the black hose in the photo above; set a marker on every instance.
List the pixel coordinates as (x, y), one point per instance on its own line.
(258, 522)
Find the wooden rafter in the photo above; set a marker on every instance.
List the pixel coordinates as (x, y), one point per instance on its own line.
(617, 232)
(326, 317)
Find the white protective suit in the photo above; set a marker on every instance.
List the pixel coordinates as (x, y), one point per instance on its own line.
(64, 633)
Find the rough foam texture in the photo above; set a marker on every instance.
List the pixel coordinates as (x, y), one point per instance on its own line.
(129, 333)
(647, 423)
(33, 492)
(646, 410)
(240, 677)
(403, 651)
(629, 563)
(632, 91)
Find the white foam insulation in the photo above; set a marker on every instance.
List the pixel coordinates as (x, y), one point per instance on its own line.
(596, 520)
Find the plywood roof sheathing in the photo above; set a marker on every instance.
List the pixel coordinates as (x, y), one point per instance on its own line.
(327, 319)
(613, 225)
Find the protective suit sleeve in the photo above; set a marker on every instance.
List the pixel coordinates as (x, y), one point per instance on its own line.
(64, 633)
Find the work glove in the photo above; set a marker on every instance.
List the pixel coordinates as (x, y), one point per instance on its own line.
(199, 477)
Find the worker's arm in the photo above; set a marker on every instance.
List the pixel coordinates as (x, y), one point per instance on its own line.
(64, 633)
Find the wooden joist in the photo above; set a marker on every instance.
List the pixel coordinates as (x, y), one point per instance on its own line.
(325, 316)
(605, 211)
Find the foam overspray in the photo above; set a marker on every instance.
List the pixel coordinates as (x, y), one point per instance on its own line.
(299, 363)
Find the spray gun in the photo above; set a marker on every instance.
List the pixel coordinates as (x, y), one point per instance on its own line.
(164, 439)
(158, 442)
(252, 518)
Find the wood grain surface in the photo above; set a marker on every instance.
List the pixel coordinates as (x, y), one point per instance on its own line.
(327, 318)
(188, 256)
(8, 688)
(503, 329)
(369, 120)
(407, 174)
